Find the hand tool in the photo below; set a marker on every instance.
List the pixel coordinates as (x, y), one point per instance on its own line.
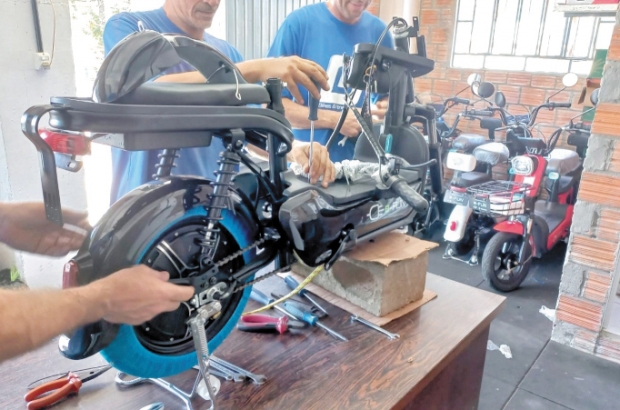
(258, 378)
(310, 319)
(392, 336)
(154, 406)
(268, 324)
(216, 373)
(237, 377)
(260, 297)
(292, 284)
(313, 115)
(61, 387)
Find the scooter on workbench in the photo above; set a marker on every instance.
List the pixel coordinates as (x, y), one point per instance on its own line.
(216, 234)
(534, 226)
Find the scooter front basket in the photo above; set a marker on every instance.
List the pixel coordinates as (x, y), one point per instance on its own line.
(503, 198)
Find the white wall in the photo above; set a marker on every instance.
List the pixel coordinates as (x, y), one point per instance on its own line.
(399, 8)
(21, 86)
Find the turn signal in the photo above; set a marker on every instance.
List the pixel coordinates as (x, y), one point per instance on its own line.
(72, 144)
(69, 275)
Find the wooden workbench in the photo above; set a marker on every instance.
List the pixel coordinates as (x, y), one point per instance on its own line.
(437, 363)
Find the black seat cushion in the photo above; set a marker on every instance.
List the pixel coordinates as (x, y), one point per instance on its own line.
(339, 192)
(566, 182)
(467, 179)
(153, 93)
(467, 142)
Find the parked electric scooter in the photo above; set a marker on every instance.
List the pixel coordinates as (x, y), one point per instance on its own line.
(534, 226)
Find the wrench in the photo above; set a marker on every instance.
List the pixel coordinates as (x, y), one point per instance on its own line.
(391, 336)
(237, 377)
(217, 373)
(258, 378)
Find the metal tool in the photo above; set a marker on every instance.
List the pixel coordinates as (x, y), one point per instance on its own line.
(154, 406)
(234, 376)
(292, 284)
(268, 324)
(390, 335)
(224, 375)
(83, 373)
(260, 297)
(258, 378)
(310, 319)
(59, 388)
(313, 115)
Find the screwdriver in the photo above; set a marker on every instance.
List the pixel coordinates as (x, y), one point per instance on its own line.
(311, 319)
(260, 297)
(268, 324)
(313, 105)
(292, 284)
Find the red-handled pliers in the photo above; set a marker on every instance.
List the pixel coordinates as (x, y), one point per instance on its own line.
(268, 324)
(58, 389)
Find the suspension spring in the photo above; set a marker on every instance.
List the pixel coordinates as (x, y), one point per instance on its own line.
(219, 199)
(166, 163)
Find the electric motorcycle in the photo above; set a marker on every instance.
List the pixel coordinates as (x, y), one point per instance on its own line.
(534, 226)
(215, 234)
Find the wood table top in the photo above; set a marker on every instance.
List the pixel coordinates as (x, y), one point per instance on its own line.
(307, 370)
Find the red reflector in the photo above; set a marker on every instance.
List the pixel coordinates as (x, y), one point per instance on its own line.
(69, 275)
(453, 225)
(73, 144)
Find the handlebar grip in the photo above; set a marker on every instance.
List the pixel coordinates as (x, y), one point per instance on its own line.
(481, 113)
(461, 101)
(559, 105)
(409, 195)
(313, 103)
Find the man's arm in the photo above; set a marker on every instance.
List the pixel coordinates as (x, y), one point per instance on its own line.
(298, 117)
(28, 319)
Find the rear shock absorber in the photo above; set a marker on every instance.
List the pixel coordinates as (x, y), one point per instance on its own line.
(166, 163)
(219, 200)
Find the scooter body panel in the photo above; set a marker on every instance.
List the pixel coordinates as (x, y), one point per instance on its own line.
(458, 219)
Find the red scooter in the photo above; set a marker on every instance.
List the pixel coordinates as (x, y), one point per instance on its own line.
(534, 226)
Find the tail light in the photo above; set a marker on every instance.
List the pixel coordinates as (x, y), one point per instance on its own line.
(72, 144)
(69, 275)
(453, 226)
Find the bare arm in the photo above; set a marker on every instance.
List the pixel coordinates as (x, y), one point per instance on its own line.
(298, 117)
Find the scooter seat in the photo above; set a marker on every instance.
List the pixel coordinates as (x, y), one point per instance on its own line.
(468, 179)
(467, 142)
(154, 93)
(339, 192)
(565, 184)
(562, 161)
(492, 153)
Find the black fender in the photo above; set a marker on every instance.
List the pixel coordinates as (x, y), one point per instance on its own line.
(123, 232)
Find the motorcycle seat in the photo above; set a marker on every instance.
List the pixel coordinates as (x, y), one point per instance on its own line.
(339, 192)
(468, 179)
(562, 161)
(154, 93)
(565, 184)
(467, 142)
(492, 153)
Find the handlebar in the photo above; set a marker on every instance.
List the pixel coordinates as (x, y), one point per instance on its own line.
(559, 105)
(460, 100)
(480, 113)
(400, 187)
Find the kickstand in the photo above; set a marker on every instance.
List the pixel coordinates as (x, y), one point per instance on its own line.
(212, 384)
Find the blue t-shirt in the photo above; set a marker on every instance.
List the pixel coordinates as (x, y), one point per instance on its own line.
(314, 33)
(134, 168)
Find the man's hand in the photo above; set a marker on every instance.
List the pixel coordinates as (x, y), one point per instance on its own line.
(321, 164)
(23, 226)
(136, 294)
(350, 128)
(379, 110)
(295, 70)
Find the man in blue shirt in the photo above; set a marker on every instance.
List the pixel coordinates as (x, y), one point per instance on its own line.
(323, 32)
(191, 18)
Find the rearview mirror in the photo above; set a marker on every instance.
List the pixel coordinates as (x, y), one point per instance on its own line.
(500, 99)
(594, 97)
(474, 78)
(570, 79)
(485, 90)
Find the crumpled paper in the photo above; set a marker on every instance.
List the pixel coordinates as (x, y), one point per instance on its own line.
(549, 313)
(504, 349)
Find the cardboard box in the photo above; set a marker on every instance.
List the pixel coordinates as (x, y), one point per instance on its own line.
(380, 276)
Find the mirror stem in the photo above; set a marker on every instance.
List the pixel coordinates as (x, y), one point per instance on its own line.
(549, 99)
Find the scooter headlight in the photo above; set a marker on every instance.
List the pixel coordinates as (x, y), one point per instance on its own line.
(522, 165)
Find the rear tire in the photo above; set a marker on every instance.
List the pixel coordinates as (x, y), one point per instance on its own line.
(503, 250)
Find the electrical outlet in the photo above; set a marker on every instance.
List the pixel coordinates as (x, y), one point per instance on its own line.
(42, 61)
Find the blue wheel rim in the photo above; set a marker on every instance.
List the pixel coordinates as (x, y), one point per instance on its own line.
(128, 355)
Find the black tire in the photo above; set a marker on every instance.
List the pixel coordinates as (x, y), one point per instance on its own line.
(502, 248)
(465, 245)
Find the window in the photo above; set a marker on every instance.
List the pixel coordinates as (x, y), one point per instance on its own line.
(526, 35)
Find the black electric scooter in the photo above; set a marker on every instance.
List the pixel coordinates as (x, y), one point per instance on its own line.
(216, 234)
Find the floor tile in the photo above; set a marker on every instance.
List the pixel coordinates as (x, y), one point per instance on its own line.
(523, 400)
(494, 393)
(574, 379)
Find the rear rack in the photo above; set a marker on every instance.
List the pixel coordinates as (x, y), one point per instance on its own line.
(498, 197)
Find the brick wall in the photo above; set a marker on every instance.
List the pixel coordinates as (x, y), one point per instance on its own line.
(437, 24)
(591, 267)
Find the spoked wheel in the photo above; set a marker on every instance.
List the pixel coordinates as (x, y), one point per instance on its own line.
(500, 261)
(164, 346)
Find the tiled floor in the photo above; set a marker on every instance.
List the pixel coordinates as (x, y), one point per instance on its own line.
(542, 374)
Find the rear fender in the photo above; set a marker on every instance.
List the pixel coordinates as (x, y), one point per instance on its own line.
(458, 220)
(136, 219)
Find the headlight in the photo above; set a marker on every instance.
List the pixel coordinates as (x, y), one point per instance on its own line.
(522, 165)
